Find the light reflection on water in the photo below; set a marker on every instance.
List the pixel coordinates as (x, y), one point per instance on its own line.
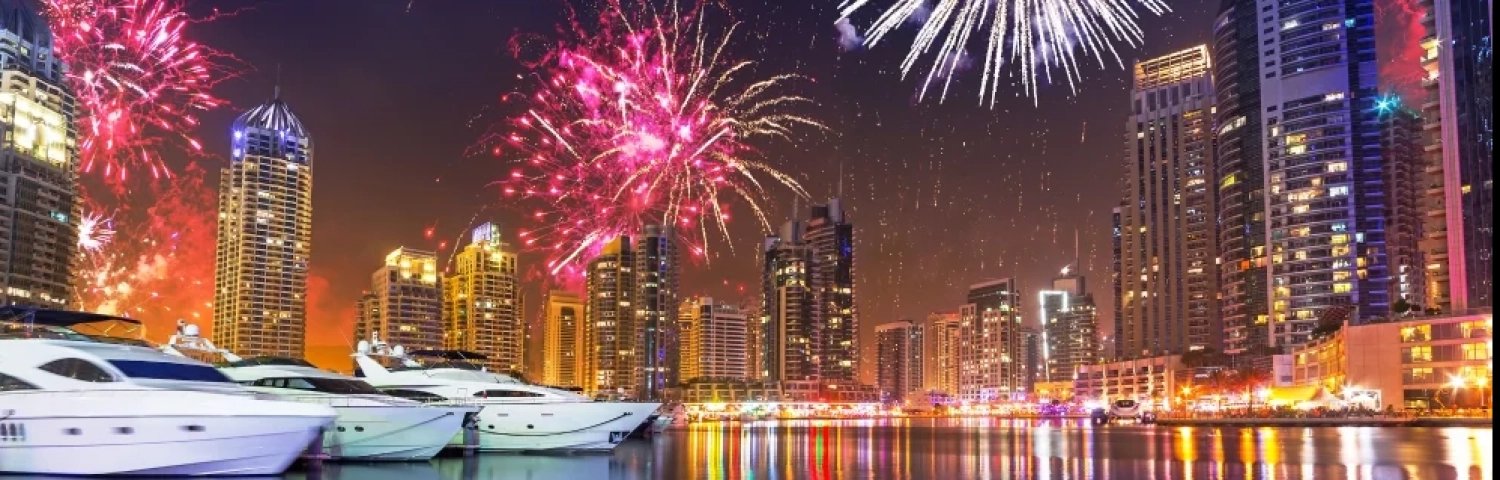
(941, 449)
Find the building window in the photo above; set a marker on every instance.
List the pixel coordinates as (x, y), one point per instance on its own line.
(1419, 375)
(1420, 333)
(1416, 354)
(1476, 351)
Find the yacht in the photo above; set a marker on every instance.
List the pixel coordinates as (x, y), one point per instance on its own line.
(74, 404)
(515, 415)
(371, 425)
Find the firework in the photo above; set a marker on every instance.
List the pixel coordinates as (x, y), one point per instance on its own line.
(94, 233)
(165, 272)
(1037, 36)
(138, 82)
(644, 119)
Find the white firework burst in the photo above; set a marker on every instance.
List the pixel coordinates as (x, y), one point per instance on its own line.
(94, 233)
(1039, 37)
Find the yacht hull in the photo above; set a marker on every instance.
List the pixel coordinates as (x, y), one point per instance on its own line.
(157, 446)
(559, 426)
(396, 433)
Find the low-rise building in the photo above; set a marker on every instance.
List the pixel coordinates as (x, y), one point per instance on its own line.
(1423, 363)
(1152, 380)
(735, 392)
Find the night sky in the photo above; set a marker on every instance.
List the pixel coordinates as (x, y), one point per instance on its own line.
(942, 196)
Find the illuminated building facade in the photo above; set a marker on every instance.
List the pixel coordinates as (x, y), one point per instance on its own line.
(1243, 280)
(564, 347)
(714, 340)
(990, 326)
(483, 307)
(1401, 145)
(610, 332)
(1459, 110)
(942, 346)
(1168, 230)
(900, 360)
(831, 282)
(1070, 327)
(39, 197)
(1424, 363)
(787, 335)
(1325, 187)
(409, 294)
(265, 235)
(656, 307)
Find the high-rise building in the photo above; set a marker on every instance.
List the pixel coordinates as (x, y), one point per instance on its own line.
(1401, 145)
(1326, 205)
(39, 202)
(1070, 328)
(1168, 244)
(900, 362)
(831, 278)
(1241, 176)
(366, 316)
(1117, 329)
(610, 365)
(409, 293)
(943, 345)
(565, 349)
(1033, 358)
(990, 326)
(265, 235)
(656, 308)
(483, 307)
(714, 340)
(1459, 109)
(788, 338)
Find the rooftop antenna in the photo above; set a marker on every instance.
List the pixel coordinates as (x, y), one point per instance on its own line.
(840, 192)
(1076, 255)
(276, 95)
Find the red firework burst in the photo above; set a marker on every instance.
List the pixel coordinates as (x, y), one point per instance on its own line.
(137, 80)
(644, 119)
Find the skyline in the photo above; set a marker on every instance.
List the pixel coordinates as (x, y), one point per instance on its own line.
(991, 173)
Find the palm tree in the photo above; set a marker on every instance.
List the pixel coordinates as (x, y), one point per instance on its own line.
(1249, 380)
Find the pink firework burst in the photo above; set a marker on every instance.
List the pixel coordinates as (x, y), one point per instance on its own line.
(644, 119)
(138, 81)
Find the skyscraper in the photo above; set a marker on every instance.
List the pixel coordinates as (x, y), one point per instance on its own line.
(990, 326)
(483, 307)
(1459, 200)
(1401, 145)
(788, 340)
(264, 235)
(655, 304)
(610, 333)
(714, 342)
(563, 355)
(1118, 327)
(39, 201)
(409, 292)
(1241, 176)
(366, 316)
(1326, 205)
(900, 362)
(1070, 327)
(943, 344)
(1168, 245)
(831, 278)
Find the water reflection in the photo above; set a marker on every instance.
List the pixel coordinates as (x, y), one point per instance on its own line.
(939, 449)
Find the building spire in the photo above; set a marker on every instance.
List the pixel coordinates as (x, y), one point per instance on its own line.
(276, 94)
(840, 192)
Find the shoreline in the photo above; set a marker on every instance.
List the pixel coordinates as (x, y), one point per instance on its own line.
(1473, 422)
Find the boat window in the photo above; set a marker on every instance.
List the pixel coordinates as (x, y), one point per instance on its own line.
(169, 371)
(325, 385)
(78, 369)
(413, 394)
(506, 394)
(11, 384)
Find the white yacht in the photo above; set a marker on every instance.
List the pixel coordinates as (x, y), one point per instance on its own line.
(371, 425)
(516, 416)
(71, 404)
